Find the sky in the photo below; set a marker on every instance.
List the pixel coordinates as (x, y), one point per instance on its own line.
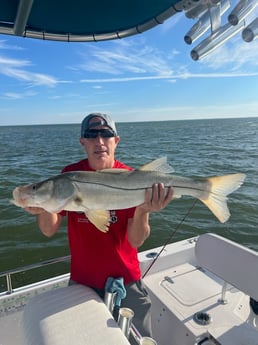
(147, 77)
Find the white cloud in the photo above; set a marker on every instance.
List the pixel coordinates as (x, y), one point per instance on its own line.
(15, 68)
(120, 58)
(31, 78)
(140, 61)
(17, 95)
(183, 75)
(13, 95)
(5, 61)
(236, 55)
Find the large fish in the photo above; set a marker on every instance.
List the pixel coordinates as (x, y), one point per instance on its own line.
(95, 193)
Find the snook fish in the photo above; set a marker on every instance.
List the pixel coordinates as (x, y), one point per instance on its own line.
(95, 193)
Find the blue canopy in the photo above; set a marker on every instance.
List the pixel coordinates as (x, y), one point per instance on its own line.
(83, 20)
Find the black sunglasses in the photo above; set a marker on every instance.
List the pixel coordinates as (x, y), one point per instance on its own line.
(104, 133)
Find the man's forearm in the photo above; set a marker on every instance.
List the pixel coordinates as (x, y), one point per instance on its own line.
(138, 228)
(49, 223)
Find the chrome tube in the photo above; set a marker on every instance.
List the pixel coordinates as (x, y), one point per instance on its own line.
(128, 328)
(22, 16)
(250, 33)
(198, 28)
(222, 299)
(109, 300)
(135, 333)
(147, 341)
(215, 17)
(204, 23)
(124, 321)
(199, 8)
(9, 284)
(215, 40)
(241, 11)
(139, 339)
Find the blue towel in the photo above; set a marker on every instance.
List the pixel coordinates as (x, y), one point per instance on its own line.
(116, 286)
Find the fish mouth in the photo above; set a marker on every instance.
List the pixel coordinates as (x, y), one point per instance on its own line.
(19, 197)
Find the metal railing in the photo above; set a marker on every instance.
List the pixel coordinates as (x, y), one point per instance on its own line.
(9, 273)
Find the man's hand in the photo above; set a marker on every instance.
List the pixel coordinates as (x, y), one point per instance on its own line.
(48, 223)
(157, 198)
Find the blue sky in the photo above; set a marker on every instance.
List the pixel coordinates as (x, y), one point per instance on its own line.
(140, 78)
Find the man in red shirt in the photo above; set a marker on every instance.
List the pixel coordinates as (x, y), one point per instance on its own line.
(95, 255)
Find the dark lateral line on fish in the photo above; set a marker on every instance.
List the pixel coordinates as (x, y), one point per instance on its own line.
(143, 188)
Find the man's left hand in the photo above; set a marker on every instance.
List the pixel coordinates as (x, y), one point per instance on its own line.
(157, 198)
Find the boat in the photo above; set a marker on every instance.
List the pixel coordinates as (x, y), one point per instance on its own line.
(203, 289)
(99, 20)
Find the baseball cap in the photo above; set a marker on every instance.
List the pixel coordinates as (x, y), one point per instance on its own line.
(105, 120)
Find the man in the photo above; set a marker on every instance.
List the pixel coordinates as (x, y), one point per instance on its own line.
(96, 256)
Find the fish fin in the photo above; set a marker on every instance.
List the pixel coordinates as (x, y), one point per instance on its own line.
(221, 187)
(100, 218)
(160, 165)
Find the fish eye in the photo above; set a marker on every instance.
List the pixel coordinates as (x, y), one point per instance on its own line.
(34, 187)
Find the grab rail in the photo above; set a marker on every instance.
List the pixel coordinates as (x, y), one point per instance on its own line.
(8, 274)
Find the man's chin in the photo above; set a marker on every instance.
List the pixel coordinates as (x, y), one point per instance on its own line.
(101, 155)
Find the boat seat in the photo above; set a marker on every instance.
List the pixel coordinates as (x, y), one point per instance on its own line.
(232, 262)
(70, 315)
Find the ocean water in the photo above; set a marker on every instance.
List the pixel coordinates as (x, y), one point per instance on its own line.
(194, 148)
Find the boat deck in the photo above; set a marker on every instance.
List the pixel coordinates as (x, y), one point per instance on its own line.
(179, 293)
(11, 329)
(193, 304)
(193, 297)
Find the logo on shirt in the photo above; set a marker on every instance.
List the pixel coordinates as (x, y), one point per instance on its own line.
(113, 217)
(84, 219)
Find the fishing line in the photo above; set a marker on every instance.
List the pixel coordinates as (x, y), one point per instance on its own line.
(170, 238)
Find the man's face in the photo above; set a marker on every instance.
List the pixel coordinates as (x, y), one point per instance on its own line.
(101, 149)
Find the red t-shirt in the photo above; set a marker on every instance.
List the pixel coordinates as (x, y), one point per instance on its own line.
(95, 255)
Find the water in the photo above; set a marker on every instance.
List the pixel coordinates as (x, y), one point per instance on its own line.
(194, 148)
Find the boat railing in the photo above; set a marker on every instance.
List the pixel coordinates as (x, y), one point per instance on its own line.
(9, 273)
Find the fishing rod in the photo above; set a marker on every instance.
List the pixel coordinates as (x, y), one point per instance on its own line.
(170, 238)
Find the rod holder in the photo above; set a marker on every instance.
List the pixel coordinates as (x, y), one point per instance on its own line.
(215, 40)
(250, 33)
(147, 341)
(204, 23)
(139, 339)
(124, 321)
(241, 11)
(109, 300)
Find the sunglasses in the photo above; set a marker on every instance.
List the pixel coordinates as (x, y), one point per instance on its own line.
(104, 133)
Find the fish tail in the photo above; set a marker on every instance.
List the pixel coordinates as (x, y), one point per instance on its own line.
(221, 187)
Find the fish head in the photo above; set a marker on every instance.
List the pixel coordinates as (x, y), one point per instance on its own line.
(33, 195)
